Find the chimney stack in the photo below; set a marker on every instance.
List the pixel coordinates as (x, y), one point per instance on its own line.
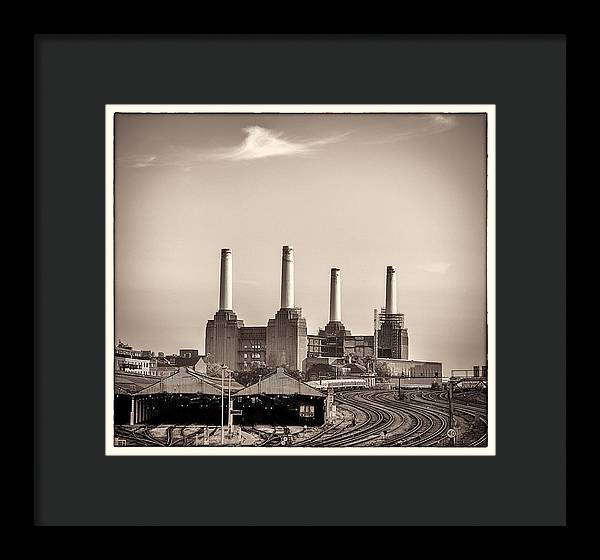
(390, 291)
(226, 289)
(335, 297)
(287, 277)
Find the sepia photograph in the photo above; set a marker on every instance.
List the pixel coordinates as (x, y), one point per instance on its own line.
(293, 280)
(291, 262)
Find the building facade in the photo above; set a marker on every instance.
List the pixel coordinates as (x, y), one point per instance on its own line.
(412, 368)
(285, 342)
(252, 348)
(129, 360)
(281, 343)
(338, 342)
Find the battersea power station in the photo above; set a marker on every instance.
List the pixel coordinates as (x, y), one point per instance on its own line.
(284, 341)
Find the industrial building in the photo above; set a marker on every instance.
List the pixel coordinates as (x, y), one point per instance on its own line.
(280, 399)
(188, 396)
(337, 341)
(281, 343)
(187, 393)
(284, 341)
(185, 396)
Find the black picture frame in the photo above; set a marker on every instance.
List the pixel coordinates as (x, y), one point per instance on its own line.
(76, 76)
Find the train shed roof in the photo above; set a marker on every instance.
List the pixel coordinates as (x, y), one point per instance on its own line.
(183, 380)
(279, 383)
(131, 383)
(216, 380)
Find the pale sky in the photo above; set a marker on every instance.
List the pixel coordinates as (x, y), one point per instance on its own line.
(357, 192)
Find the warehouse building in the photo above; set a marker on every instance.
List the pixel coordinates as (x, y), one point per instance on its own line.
(184, 397)
(189, 397)
(281, 399)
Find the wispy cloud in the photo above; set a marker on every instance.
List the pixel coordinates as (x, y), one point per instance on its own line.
(418, 126)
(435, 268)
(144, 160)
(262, 143)
(259, 143)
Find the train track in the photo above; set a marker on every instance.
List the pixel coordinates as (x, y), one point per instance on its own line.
(377, 419)
(476, 411)
(418, 421)
(372, 418)
(338, 433)
(333, 429)
(442, 397)
(140, 436)
(429, 424)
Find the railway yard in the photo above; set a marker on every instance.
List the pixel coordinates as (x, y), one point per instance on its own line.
(364, 418)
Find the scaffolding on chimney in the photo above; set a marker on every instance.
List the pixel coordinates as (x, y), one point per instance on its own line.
(389, 332)
(397, 318)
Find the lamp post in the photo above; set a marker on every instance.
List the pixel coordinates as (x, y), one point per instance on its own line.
(229, 415)
(375, 331)
(451, 409)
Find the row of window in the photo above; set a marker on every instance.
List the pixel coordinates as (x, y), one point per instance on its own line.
(142, 365)
(422, 373)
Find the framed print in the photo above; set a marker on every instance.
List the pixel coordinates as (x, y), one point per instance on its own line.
(310, 280)
(185, 181)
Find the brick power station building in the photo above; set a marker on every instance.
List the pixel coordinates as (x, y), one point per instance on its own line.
(336, 341)
(284, 341)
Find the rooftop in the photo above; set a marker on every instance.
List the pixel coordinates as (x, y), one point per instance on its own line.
(279, 383)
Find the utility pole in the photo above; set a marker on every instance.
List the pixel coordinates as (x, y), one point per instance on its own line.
(375, 325)
(223, 404)
(229, 416)
(451, 409)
